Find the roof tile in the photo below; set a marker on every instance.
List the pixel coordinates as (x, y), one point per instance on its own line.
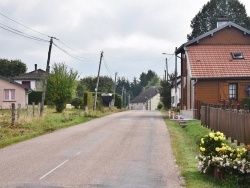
(209, 61)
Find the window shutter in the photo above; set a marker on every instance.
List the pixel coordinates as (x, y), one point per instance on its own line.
(223, 92)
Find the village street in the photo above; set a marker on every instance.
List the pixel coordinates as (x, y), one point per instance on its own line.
(127, 149)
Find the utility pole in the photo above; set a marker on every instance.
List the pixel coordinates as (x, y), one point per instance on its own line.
(46, 77)
(114, 88)
(97, 83)
(175, 75)
(122, 96)
(125, 98)
(166, 71)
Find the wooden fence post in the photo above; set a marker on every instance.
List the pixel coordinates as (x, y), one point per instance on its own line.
(39, 109)
(18, 111)
(33, 109)
(12, 114)
(27, 110)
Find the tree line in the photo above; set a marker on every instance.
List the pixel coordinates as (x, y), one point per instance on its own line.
(64, 85)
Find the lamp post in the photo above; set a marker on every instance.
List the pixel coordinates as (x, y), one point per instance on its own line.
(166, 70)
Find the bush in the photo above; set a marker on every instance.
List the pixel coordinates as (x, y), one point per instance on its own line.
(160, 105)
(246, 103)
(77, 103)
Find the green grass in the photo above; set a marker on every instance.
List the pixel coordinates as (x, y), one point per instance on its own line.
(184, 143)
(30, 127)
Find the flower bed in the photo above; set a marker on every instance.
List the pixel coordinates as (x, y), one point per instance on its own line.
(222, 160)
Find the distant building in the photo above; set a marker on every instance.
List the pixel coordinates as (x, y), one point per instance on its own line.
(32, 80)
(147, 100)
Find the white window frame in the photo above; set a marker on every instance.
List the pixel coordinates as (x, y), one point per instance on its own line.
(233, 91)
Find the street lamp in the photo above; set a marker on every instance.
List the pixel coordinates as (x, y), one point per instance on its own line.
(166, 70)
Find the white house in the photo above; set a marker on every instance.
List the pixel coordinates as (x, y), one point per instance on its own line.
(32, 80)
(147, 100)
(175, 97)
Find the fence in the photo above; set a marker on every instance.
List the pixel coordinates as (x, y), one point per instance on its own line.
(15, 112)
(234, 123)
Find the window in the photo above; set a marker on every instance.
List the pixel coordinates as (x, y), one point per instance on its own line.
(233, 91)
(237, 55)
(26, 83)
(9, 95)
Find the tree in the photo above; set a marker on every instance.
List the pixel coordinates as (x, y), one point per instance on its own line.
(155, 81)
(12, 68)
(106, 85)
(135, 88)
(61, 85)
(165, 93)
(207, 18)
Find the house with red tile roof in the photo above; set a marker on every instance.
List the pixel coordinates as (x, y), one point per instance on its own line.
(215, 68)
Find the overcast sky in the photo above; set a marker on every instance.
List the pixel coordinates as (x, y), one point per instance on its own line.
(133, 34)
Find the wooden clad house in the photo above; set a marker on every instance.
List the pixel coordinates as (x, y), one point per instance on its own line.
(215, 68)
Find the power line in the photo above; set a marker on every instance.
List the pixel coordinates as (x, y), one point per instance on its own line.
(23, 25)
(71, 48)
(110, 70)
(17, 32)
(71, 55)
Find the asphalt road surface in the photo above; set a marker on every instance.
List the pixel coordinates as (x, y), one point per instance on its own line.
(127, 149)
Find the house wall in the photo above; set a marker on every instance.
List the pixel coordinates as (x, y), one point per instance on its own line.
(138, 106)
(154, 102)
(33, 84)
(20, 95)
(217, 92)
(229, 35)
(173, 100)
(151, 104)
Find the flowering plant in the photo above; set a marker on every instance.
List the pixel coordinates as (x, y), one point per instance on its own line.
(215, 153)
(210, 144)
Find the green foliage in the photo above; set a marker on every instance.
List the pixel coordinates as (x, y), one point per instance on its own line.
(165, 93)
(106, 85)
(155, 81)
(160, 105)
(246, 103)
(207, 17)
(88, 100)
(77, 103)
(12, 68)
(61, 85)
(118, 101)
(36, 97)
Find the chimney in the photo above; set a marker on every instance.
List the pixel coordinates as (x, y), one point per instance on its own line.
(35, 67)
(222, 20)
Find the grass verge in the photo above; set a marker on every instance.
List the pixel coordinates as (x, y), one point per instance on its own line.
(184, 142)
(29, 127)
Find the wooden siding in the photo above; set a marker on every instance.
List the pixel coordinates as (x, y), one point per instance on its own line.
(228, 36)
(216, 92)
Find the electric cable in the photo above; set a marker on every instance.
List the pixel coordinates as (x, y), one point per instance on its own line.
(23, 25)
(17, 32)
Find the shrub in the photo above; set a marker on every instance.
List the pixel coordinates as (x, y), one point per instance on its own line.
(160, 105)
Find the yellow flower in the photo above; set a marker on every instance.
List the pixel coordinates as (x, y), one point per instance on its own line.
(202, 149)
(216, 138)
(211, 135)
(202, 141)
(217, 149)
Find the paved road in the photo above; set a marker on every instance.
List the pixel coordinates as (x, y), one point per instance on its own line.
(128, 149)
